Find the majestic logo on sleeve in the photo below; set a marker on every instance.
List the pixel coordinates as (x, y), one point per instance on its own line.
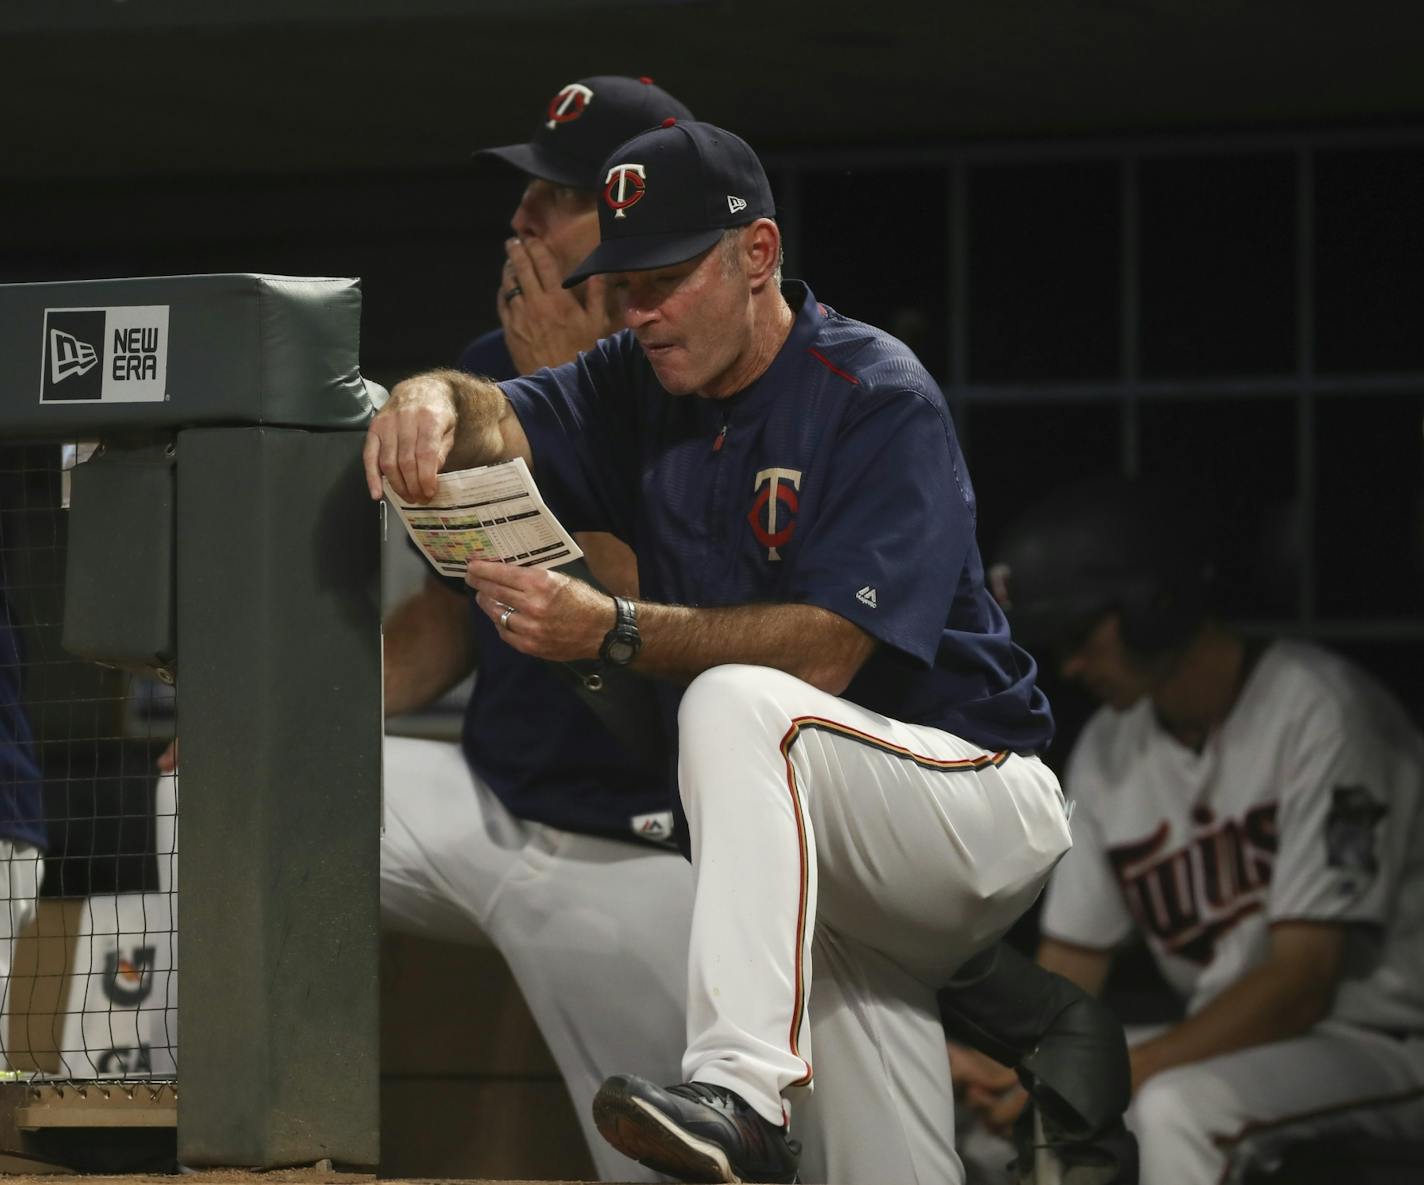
(776, 503)
(568, 104)
(625, 187)
(1188, 897)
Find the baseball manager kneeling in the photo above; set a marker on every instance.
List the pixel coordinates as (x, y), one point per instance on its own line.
(856, 730)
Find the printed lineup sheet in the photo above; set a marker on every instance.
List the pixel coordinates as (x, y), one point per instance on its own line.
(490, 513)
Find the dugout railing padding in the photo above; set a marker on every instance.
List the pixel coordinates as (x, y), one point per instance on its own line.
(231, 411)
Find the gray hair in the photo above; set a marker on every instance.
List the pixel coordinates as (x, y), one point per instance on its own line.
(731, 240)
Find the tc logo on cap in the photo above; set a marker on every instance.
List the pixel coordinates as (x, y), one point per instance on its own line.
(568, 104)
(625, 187)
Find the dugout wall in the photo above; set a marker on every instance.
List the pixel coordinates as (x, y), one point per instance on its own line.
(221, 538)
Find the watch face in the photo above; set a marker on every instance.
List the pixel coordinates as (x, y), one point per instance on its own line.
(621, 651)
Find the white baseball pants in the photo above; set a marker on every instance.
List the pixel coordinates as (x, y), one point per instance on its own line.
(594, 931)
(1215, 1120)
(890, 853)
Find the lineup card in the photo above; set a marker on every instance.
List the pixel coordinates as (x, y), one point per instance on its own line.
(493, 512)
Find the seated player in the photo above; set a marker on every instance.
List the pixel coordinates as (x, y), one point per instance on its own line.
(1253, 810)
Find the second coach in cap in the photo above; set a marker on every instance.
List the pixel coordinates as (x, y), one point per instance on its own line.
(556, 223)
(856, 730)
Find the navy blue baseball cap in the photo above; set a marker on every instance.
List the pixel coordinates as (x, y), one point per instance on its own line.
(582, 124)
(670, 193)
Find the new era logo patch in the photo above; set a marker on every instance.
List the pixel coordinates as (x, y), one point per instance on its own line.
(735, 204)
(69, 356)
(866, 596)
(73, 348)
(113, 355)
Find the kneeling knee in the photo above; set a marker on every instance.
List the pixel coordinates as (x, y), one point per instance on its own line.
(722, 694)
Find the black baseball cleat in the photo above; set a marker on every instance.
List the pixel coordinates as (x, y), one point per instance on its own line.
(693, 1132)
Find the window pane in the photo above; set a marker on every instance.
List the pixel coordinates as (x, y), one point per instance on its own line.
(1217, 266)
(1020, 454)
(1237, 458)
(875, 245)
(1369, 513)
(1369, 258)
(1044, 284)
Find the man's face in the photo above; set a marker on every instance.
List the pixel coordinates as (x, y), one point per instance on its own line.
(564, 219)
(693, 321)
(1104, 664)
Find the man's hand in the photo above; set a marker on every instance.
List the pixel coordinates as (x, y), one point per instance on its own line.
(546, 324)
(554, 616)
(988, 1089)
(410, 438)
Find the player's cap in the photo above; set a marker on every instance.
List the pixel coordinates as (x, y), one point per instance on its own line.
(1107, 545)
(669, 193)
(583, 122)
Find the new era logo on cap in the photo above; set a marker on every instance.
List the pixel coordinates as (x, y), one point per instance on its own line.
(735, 204)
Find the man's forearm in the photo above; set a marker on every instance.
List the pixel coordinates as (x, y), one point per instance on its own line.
(551, 615)
(1269, 1003)
(814, 644)
(483, 418)
(429, 647)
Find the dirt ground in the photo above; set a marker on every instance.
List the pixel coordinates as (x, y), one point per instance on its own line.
(231, 1177)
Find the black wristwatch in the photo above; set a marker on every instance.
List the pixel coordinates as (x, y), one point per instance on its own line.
(622, 643)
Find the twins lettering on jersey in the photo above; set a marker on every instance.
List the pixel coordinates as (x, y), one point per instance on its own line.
(568, 104)
(773, 513)
(1188, 897)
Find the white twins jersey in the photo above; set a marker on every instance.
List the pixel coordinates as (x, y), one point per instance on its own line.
(1305, 804)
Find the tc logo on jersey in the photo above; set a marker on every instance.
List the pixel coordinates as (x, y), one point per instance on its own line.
(625, 187)
(776, 500)
(568, 104)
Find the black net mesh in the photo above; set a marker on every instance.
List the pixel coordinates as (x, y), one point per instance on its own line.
(88, 849)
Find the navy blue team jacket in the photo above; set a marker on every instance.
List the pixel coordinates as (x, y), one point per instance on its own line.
(534, 742)
(835, 480)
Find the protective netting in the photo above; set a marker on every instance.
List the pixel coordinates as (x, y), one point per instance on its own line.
(88, 827)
